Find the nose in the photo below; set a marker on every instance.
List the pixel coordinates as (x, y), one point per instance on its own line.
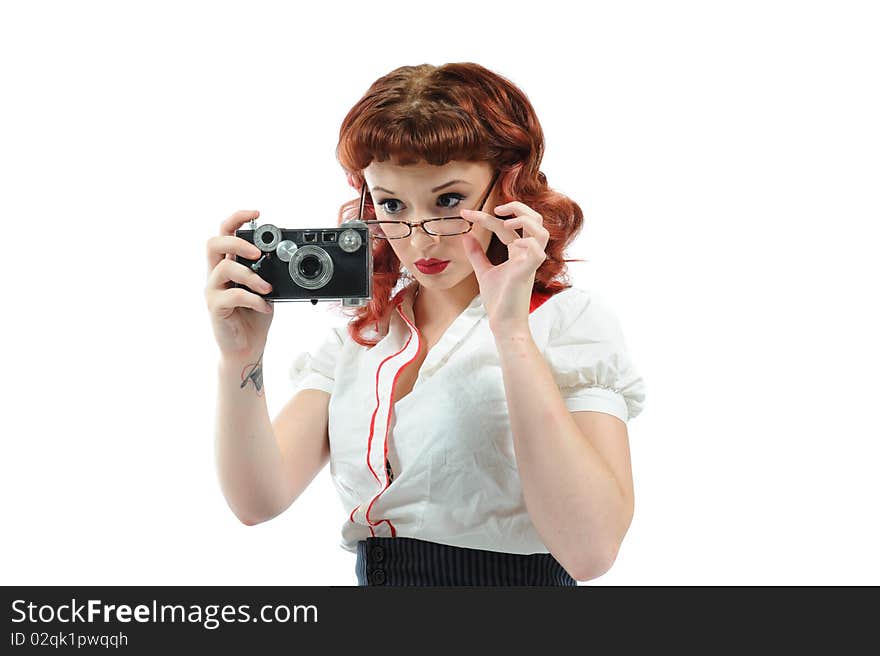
(419, 236)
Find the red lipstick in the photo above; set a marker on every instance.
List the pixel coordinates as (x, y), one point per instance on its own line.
(431, 265)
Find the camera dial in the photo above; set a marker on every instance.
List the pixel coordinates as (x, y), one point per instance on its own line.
(267, 237)
(286, 249)
(349, 240)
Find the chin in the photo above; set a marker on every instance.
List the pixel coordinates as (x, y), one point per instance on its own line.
(447, 280)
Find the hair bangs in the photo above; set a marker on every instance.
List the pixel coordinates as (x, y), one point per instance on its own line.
(406, 139)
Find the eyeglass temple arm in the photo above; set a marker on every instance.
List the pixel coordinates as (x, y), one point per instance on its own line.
(489, 190)
(363, 200)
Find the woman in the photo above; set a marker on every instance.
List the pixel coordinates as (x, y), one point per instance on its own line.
(474, 412)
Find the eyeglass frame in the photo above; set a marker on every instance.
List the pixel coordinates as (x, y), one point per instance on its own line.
(411, 225)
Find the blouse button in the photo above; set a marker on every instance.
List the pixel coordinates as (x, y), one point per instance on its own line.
(378, 576)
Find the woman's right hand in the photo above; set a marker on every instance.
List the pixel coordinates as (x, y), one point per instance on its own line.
(240, 318)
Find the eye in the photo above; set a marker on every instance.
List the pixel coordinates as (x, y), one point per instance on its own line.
(394, 209)
(456, 197)
(384, 207)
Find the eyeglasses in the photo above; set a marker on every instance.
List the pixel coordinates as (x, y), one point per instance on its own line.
(441, 226)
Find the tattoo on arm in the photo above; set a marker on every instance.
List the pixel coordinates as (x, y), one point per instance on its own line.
(254, 373)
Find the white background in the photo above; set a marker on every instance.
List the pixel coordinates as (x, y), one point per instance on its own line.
(725, 155)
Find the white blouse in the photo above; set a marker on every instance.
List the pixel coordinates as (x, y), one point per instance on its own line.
(439, 463)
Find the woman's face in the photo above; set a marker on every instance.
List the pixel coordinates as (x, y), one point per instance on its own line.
(413, 193)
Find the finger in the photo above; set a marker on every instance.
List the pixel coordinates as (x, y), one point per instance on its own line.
(233, 222)
(229, 299)
(476, 255)
(533, 248)
(493, 223)
(231, 271)
(531, 227)
(518, 208)
(219, 246)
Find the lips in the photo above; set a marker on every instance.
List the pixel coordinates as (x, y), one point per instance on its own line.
(431, 266)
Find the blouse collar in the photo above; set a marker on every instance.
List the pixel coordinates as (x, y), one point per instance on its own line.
(403, 327)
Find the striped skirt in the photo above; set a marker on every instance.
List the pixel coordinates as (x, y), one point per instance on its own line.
(409, 561)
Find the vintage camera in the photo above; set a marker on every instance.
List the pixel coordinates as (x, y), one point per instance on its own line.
(316, 264)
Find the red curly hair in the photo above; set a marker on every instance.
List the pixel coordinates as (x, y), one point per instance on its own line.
(438, 114)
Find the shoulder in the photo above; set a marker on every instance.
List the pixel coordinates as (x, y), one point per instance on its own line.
(582, 313)
(576, 308)
(589, 357)
(335, 338)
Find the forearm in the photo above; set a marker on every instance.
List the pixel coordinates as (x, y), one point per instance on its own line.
(248, 458)
(571, 495)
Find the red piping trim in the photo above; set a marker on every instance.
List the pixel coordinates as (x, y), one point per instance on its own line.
(388, 417)
(373, 423)
(378, 403)
(370, 524)
(390, 410)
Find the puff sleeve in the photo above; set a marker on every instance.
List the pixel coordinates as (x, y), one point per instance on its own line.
(316, 369)
(588, 356)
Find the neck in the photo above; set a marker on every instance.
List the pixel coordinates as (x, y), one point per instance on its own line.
(442, 305)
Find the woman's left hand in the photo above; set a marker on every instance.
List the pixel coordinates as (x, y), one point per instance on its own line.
(506, 288)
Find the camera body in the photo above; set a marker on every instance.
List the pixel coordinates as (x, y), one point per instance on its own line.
(313, 264)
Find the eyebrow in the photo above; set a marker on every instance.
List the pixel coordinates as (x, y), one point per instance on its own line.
(443, 186)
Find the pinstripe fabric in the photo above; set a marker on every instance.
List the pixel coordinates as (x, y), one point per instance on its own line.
(409, 561)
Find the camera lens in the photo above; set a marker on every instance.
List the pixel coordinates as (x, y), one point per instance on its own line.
(309, 266)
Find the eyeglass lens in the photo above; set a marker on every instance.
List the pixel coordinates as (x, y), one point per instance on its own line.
(443, 226)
